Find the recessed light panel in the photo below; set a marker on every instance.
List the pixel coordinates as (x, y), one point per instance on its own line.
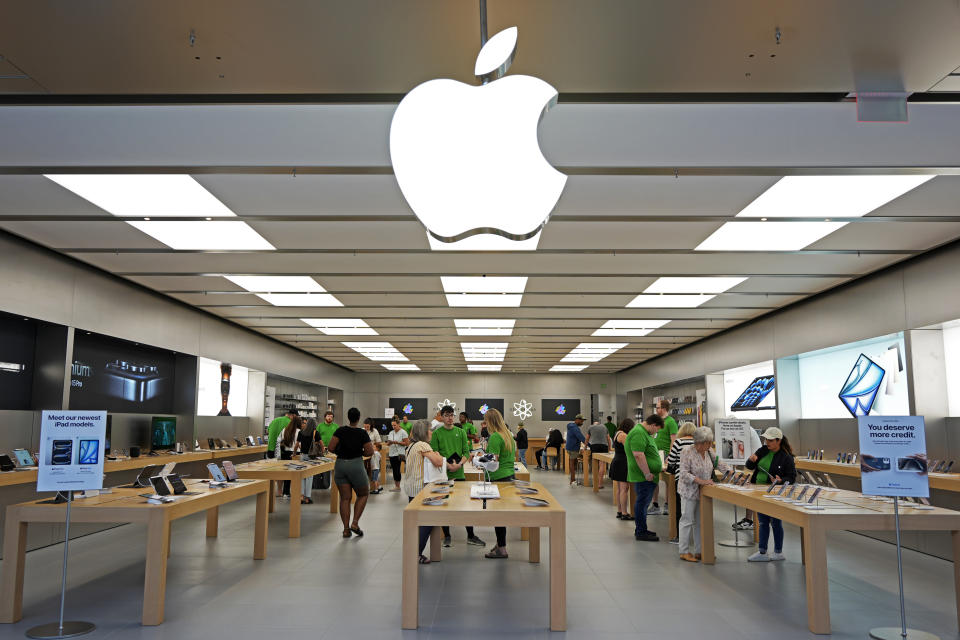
(568, 368)
(145, 195)
(484, 367)
(484, 299)
(277, 284)
(300, 299)
(634, 328)
(400, 367)
(692, 285)
(204, 235)
(593, 351)
(482, 284)
(484, 351)
(656, 300)
(472, 327)
(341, 326)
(380, 351)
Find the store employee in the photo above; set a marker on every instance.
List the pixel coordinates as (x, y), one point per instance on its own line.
(447, 440)
(468, 427)
(327, 427)
(275, 428)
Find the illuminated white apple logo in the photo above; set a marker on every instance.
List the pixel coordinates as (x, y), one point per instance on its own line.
(467, 157)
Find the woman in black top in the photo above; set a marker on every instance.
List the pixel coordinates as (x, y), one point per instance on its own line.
(305, 440)
(351, 444)
(773, 462)
(521, 444)
(618, 470)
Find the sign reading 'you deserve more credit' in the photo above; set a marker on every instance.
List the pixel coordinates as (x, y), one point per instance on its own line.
(71, 450)
(893, 456)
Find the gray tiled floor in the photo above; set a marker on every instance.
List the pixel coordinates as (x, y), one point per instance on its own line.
(330, 588)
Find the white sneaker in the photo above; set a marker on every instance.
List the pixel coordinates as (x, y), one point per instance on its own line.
(777, 556)
(759, 557)
(573, 484)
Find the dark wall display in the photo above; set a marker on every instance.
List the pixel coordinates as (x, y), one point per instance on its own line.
(121, 376)
(415, 407)
(559, 409)
(18, 341)
(476, 407)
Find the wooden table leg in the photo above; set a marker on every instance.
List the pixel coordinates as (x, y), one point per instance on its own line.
(436, 544)
(524, 533)
(616, 484)
(155, 580)
(334, 497)
(534, 554)
(595, 474)
(818, 588)
(295, 493)
(14, 561)
(271, 499)
(410, 588)
(954, 538)
(587, 468)
(633, 498)
(260, 526)
(558, 573)
(213, 522)
(706, 530)
(672, 506)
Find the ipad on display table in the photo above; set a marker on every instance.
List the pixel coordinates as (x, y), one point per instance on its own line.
(177, 484)
(23, 458)
(216, 473)
(160, 486)
(230, 471)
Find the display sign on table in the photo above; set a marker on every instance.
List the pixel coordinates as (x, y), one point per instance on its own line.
(71, 450)
(733, 440)
(893, 456)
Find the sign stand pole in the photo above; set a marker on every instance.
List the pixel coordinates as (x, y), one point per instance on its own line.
(736, 542)
(892, 633)
(62, 629)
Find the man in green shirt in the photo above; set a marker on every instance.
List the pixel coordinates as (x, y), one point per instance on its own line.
(275, 428)
(611, 427)
(665, 438)
(405, 424)
(643, 470)
(327, 427)
(450, 440)
(468, 427)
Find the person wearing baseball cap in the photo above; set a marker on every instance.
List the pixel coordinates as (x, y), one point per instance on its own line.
(773, 462)
(575, 442)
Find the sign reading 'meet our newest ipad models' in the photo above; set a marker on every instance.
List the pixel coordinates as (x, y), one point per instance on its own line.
(893, 456)
(733, 440)
(71, 450)
(559, 409)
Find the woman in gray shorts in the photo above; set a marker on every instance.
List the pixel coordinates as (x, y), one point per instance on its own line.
(351, 444)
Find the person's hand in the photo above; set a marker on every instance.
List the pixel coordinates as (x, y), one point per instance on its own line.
(453, 466)
(707, 482)
(752, 458)
(777, 479)
(648, 477)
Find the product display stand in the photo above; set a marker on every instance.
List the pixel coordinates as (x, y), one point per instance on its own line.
(736, 542)
(893, 633)
(70, 628)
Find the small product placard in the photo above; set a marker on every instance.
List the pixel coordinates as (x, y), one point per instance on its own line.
(71, 450)
(893, 456)
(388, 413)
(733, 439)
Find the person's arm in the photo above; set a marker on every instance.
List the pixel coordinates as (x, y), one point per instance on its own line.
(788, 470)
(752, 460)
(334, 443)
(368, 449)
(434, 458)
(642, 463)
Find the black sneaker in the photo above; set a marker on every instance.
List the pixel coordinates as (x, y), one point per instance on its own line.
(477, 541)
(447, 541)
(648, 536)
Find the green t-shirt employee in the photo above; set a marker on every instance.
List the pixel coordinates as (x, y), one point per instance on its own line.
(406, 425)
(275, 428)
(611, 427)
(327, 427)
(668, 433)
(448, 440)
(468, 427)
(506, 455)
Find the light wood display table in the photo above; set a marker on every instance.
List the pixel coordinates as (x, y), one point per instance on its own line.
(843, 510)
(123, 506)
(671, 499)
(220, 454)
(473, 474)
(279, 470)
(942, 481)
(608, 459)
(508, 511)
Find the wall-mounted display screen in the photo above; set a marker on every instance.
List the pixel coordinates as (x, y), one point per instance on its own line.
(163, 432)
(221, 388)
(856, 379)
(120, 376)
(416, 408)
(476, 407)
(752, 398)
(749, 392)
(18, 340)
(559, 409)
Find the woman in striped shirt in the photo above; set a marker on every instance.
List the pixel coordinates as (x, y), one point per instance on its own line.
(420, 453)
(684, 440)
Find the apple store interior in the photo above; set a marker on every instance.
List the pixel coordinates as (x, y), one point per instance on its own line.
(312, 311)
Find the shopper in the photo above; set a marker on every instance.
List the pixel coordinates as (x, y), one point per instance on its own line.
(374, 462)
(521, 444)
(468, 427)
(304, 442)
(437, 421)
(618, 470)
(684, 439)
(451, 442)
(773, 462)
(611, 427)
(351, 444)
(398, 439)
(575, 442)
(643, 470)
(275, 427)
(695, 471)
(327, 427)
(665, 438)
(502, 446)
(484, 431)
(418, 454)
(746, 524)
(598, 439)
(286, 445)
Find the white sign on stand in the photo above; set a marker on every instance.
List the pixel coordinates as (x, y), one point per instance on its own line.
(893, 456)
(71, 450)
(733, 440)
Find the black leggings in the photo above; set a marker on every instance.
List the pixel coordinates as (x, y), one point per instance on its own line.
(446, 530)
(395, 466)
(501, 532)
(286, 455)
(424, 532)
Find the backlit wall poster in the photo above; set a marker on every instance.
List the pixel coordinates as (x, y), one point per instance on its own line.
(416, 408)
(559, 409)
(476, 407)
(750, 392)
(893, 456)
(120, 376)
(861, 378)
(211, 390)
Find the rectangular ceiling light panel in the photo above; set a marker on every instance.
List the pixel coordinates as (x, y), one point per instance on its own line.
(659, 301)
(634, 328)
(483, 284)
(379, 351)
(341, 326)
(204, 235)
(400, 367)
(484, 367)
(568, 368)
(300, 299)
(484, 351)
(822, 197)
(692, 285)
(592, 351)
(277, 284)
(472, 327)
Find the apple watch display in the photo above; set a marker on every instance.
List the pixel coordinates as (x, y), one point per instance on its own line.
(160, 486)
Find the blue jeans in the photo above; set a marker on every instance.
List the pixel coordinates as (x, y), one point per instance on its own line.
(644, 497)
(522, 456)
(765, 523)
